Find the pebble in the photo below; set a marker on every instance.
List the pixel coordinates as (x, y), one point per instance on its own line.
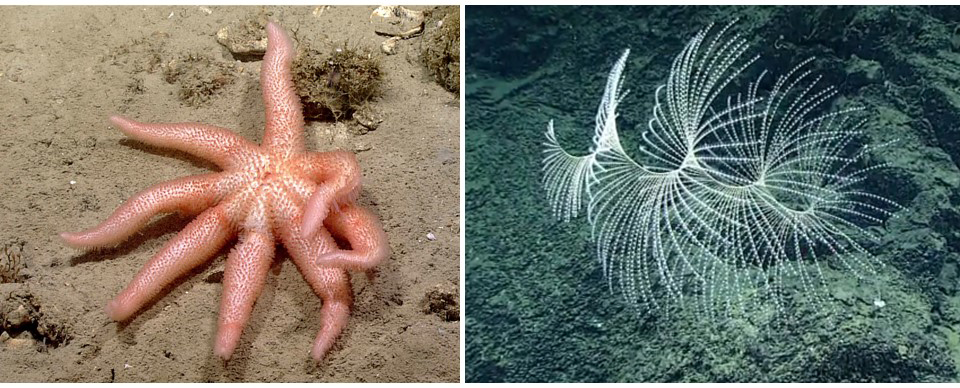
(389, 46)
(20, 343)
(241, 43)
(368, 118)
(431, 236)
(362, 146)
(17, 318)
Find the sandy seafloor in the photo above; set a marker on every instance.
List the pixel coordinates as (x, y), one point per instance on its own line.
(63, 167)
(537, 305)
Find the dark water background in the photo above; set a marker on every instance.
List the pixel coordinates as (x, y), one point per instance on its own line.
(537, 305)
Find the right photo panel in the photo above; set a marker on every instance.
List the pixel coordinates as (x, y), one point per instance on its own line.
(712, 194)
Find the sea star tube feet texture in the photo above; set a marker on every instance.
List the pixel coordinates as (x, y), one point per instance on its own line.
(273, 192)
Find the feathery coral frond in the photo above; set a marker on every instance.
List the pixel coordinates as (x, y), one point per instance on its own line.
(739, 190)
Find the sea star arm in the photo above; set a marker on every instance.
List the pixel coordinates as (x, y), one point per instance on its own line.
(360, 228)
(191, 247)
(284, 127)
(332, 285)
(187, 195)
(338, 174)
(218, 145)
(243, 279)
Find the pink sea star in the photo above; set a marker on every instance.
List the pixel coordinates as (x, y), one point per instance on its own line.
(275, 190)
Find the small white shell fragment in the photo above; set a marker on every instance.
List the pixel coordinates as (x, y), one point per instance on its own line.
(384, 11)
(318, 11)
(431, 236)
(389, 46)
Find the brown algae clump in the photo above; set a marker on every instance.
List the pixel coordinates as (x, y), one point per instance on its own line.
(12, 263)
(199, 77)
(441, 47)
(334, 85)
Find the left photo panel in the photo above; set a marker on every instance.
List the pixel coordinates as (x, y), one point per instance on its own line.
(230, 194)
